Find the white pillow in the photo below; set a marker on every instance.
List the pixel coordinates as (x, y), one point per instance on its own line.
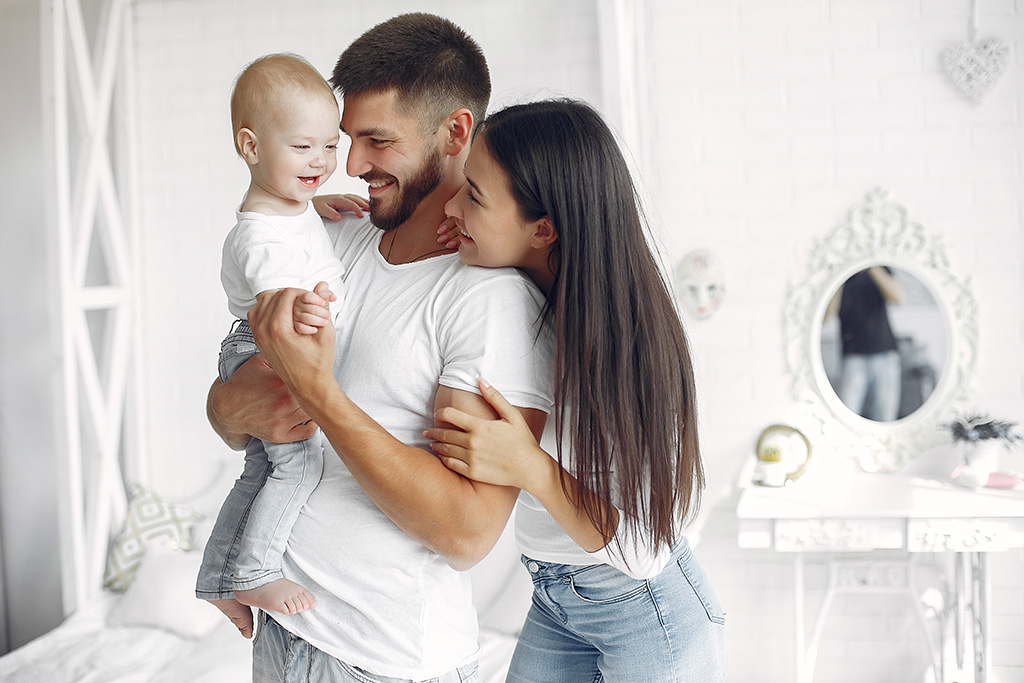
(150, 521)
(162, 595)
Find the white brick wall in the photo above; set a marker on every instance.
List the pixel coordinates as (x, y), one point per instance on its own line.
(769, 120)
(189, 52)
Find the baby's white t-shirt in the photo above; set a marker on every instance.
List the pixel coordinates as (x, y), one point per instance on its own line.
(272, 252)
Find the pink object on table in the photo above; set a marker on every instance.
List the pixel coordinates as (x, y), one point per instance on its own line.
(1002, 480)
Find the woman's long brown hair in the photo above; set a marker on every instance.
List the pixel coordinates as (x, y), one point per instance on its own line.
(624, 394)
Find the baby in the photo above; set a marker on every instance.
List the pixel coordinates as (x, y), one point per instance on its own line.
(285, 119)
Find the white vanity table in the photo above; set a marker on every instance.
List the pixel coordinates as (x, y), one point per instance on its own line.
(842, 510)
(877, 485)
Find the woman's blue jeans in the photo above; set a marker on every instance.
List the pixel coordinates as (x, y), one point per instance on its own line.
(594, 623)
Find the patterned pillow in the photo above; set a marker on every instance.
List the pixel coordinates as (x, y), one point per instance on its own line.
(150, 521)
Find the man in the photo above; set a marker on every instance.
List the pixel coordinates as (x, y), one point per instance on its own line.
(871, 361)
(380, 540)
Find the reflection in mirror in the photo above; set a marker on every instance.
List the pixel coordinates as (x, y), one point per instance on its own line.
(934, 327)
(883, 343)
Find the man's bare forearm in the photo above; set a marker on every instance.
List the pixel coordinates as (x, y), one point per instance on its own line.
(255, 402)
(456, 517)
(234, 440)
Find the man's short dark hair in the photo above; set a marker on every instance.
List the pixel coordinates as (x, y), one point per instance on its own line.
(434, 66)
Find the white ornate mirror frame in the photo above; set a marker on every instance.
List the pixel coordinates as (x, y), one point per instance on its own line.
(878, 232)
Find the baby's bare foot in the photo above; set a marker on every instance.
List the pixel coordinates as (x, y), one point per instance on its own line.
(239, 614)
(282, 595)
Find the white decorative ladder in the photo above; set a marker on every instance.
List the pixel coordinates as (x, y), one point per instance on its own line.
(89, 106)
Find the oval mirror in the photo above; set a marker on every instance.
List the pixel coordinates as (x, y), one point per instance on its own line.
(909, 353)
(884, 343)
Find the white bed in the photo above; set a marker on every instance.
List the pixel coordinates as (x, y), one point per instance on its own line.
(156, 631)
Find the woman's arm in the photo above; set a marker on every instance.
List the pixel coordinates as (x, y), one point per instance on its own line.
(501, 451)
(505, 452)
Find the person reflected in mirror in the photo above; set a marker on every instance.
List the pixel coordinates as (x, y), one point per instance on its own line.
(870, 382)
(618, 593)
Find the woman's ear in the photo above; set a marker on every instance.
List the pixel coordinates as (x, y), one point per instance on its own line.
(459, 129)
(544, 234)
(246, 141)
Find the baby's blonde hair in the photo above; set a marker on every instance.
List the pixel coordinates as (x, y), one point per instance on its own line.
(262, 86)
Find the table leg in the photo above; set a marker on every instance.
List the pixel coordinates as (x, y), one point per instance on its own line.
(971, 616)
(979, 614)
(798, 602)
(960, 615)
(855, 576)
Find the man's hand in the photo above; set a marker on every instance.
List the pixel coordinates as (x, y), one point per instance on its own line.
(304, 362)
(255, 402)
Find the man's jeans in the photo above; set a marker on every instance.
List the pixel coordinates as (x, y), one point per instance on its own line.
(256, 519)
(280, 657)
(875, 376)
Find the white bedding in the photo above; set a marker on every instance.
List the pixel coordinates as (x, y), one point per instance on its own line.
(157, 632)
(84, 649)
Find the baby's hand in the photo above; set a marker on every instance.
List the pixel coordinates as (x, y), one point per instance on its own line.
(312, 310)
(448, 233)
(330, 206)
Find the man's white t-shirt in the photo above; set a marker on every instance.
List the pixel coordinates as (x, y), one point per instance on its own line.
(272, 252)
(385, 603)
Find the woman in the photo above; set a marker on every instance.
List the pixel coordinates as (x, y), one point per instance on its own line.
(618, 595)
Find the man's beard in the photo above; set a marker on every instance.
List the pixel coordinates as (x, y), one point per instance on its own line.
(413, 191)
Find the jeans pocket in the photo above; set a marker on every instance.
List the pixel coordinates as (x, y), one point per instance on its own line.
(602, 584)
(232, 354)
(265, 666)
(470, 672)
(357, 674)
(259, 626)
(698, 581)
(231, 348)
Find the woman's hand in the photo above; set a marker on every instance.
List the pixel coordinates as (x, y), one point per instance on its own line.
(313, 309)
(330, 206)
(503, 452)
(448, 233)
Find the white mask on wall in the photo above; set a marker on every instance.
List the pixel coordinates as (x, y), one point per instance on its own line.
(699, 281)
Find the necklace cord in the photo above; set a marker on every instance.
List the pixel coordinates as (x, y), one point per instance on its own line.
(394, 236)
